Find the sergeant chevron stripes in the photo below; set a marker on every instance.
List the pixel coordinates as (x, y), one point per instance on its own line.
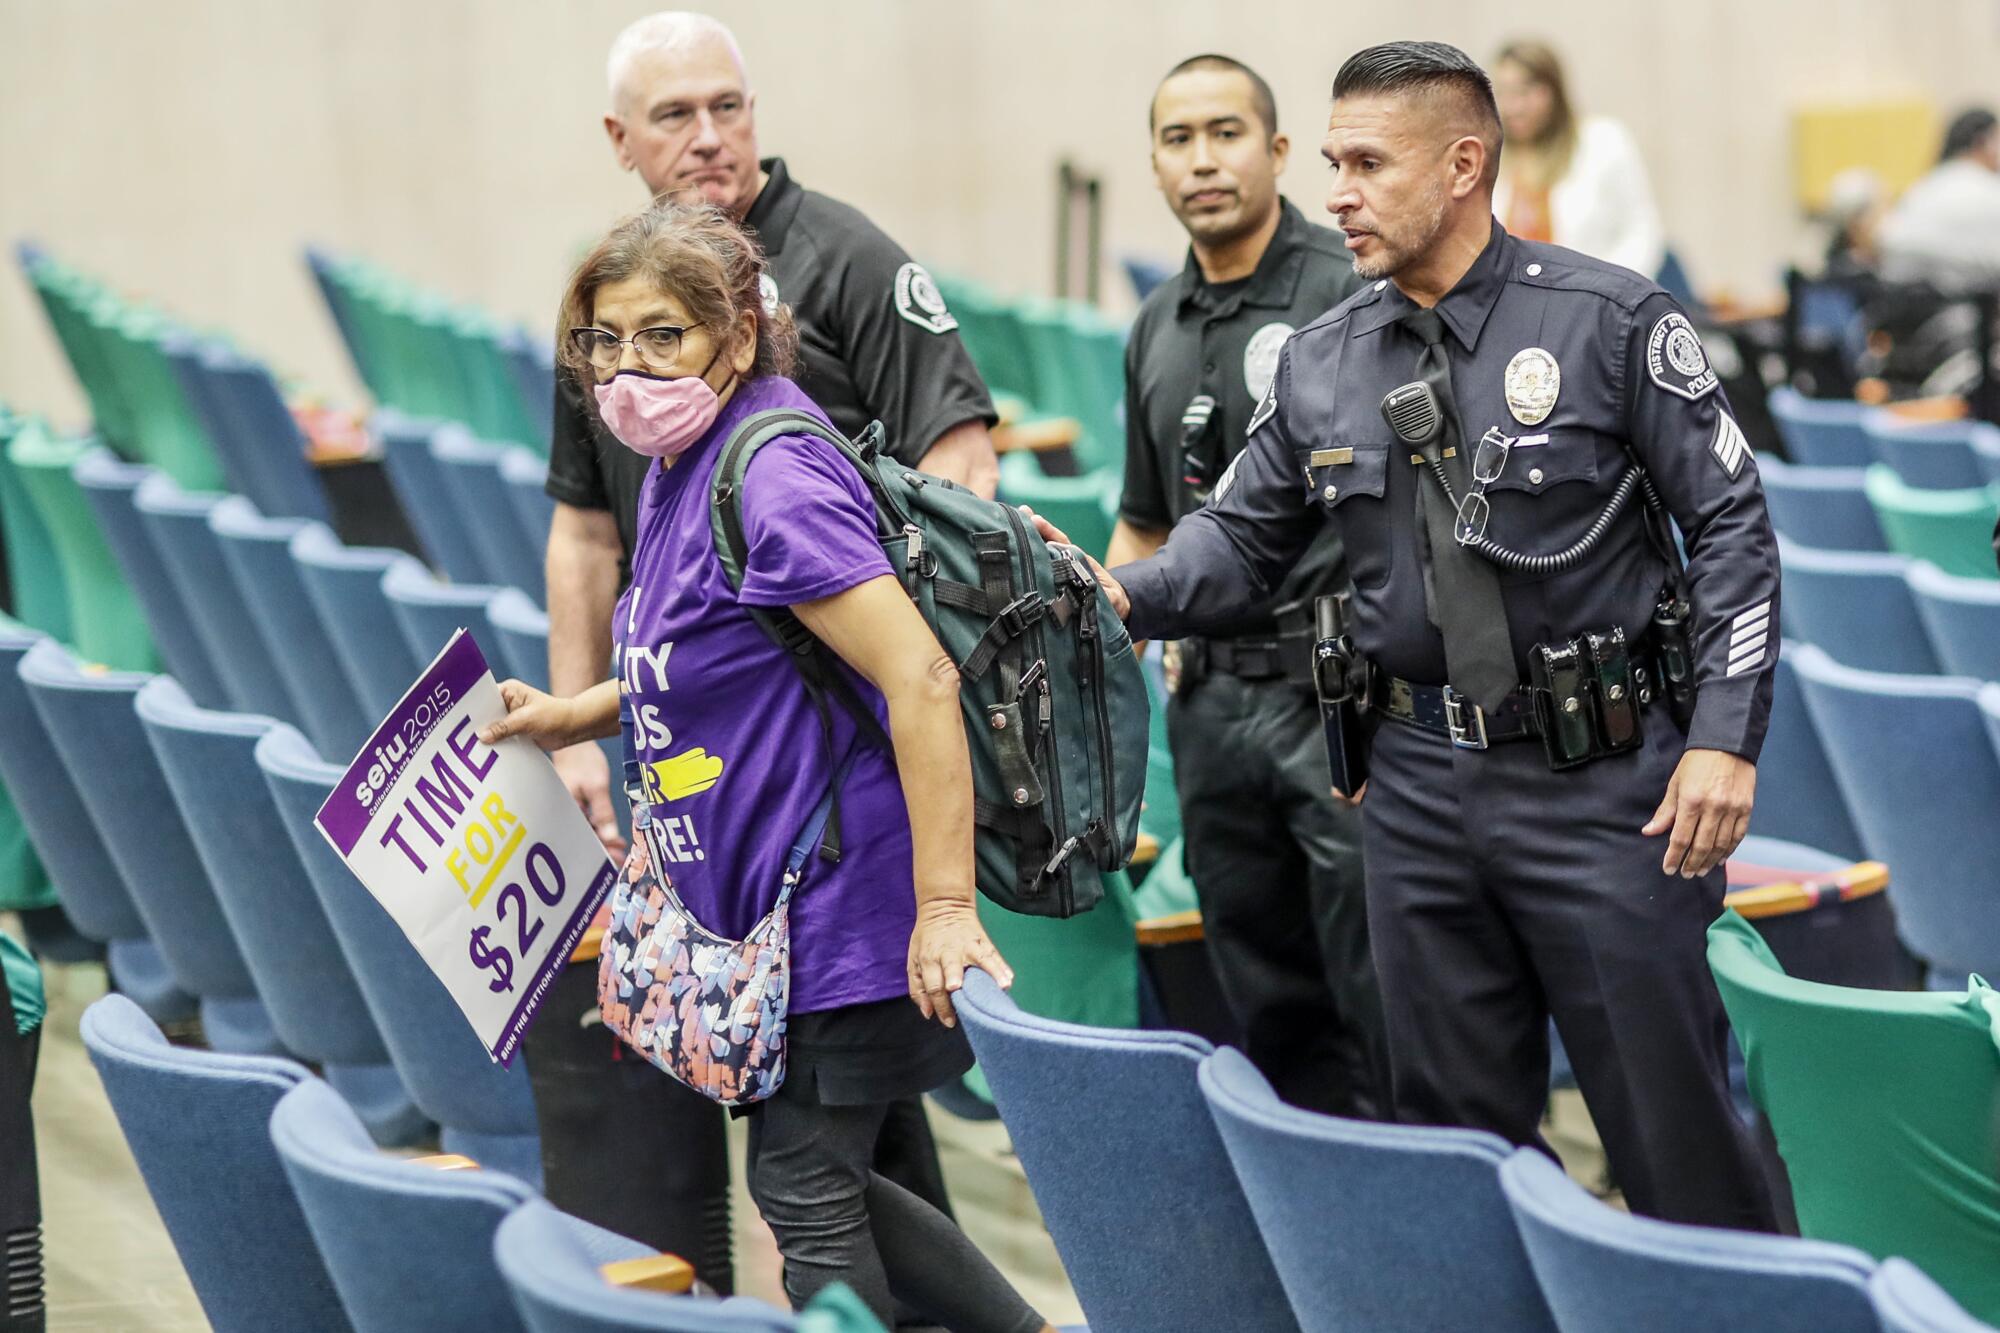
(1749, 633)
(1729, 448)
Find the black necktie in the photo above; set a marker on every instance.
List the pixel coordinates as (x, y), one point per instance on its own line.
(1466, 600)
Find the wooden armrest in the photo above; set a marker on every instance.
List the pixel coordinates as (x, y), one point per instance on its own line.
(446, 1161)
(589, 947)
(1948, 407)
(1146, 850)
(1179, 928)
(1859, 880)
(1044, 436)
(667, 1273)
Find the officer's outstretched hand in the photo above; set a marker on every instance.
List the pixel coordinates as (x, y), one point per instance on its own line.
(1707, 806)
(1112, 588)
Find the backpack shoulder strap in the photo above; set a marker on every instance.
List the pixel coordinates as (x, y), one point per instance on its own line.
(822, 677)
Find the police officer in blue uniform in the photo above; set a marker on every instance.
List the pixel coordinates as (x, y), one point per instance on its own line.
(1562, 722)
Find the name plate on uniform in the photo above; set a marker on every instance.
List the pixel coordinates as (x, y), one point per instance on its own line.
(1329, 457)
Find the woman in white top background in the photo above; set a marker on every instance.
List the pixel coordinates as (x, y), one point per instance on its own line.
(1575, 180)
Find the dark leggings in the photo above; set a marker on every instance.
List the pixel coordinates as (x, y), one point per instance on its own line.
(837, 1220)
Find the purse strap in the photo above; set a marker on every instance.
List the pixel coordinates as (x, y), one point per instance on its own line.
(815, 827)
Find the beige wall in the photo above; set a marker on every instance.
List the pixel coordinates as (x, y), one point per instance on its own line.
(186, 151)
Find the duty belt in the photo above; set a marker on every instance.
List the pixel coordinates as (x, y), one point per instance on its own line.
(1259, 659)
(1446, 712)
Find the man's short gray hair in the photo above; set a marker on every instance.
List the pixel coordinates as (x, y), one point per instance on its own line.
(669, 30)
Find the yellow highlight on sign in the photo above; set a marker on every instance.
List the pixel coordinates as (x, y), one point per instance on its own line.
(488, 847)
(683, 775)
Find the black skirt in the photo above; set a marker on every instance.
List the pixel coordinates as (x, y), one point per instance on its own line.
(861, 1054)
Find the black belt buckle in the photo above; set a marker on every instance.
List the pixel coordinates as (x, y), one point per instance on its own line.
(1614, 692)
(1561, 693)
(1464, 720)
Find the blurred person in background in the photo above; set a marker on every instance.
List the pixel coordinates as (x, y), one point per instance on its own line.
(1945, 230)
(1577, 181)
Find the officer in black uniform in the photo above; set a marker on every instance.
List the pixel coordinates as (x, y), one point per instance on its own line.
(1549, 693)
(876, 342)
(1276, 860)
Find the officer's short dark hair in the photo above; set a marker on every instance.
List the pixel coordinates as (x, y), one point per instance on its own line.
(1434, 69)
(1967, 130)
(1261, 101)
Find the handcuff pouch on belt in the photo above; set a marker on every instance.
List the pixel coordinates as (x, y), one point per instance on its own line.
(1586, 696)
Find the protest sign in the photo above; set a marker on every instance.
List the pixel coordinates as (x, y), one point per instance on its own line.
(477, 851)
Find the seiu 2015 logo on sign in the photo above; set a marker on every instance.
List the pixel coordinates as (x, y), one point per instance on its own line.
(419, 716)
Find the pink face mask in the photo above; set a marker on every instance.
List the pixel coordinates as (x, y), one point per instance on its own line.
(660, 418)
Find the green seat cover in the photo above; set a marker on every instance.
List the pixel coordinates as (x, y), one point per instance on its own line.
(104, 620)
(1884, 1107)
(1951, 529)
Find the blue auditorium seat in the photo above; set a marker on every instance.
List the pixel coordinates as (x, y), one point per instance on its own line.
(1930, 455)
(401, 1236)
(304, 980)
(1909, 1302)
(1604, 1270)
(1963, 618)
(486, 1111)
(533, 368)
(243, 657)
(526, 475)
(521, 628)
(1922, 781)
(280, 479)
(96, 730)
(92, 890)
(1375, 1228)
(1821, 432)
(111, 486)
(344, 584)
(1826, 507)
(551, 1262)
(1855, 605)
(257, 552)
(198, 1122)
(1152, 1152)
(428, 611)
(475, 487)
(1986, 452)
(1798, 799)
(419, 482)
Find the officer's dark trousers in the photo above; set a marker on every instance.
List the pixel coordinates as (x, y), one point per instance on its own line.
(1276, 864)
(1499, 893)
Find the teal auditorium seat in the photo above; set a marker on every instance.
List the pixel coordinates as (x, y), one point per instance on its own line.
(344, 585)
(474, 486)
(428, 612)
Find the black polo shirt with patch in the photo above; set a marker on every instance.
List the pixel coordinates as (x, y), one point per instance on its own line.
(875, 343)
(1200, 357)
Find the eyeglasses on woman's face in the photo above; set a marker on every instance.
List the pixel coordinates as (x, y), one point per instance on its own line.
(658, 347)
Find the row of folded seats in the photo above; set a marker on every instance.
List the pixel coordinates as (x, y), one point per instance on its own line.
(1885, 725)
(287, 1215)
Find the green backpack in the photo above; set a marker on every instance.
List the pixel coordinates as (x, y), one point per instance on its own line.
(1055, 706)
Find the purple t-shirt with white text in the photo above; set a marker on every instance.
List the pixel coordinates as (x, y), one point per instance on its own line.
(723, 722)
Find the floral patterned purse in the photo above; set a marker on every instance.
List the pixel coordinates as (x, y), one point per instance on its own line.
(709, 1011)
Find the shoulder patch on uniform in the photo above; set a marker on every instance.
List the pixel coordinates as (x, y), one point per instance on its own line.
(1267, 406)
(919, 301)
(1260, 356)
(1729, 446)
(1675, 359)
(767, 291)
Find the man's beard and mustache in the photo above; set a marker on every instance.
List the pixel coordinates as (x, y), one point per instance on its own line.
(1393, 254)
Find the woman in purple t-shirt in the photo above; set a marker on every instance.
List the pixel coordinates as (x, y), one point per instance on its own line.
(677, 344)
